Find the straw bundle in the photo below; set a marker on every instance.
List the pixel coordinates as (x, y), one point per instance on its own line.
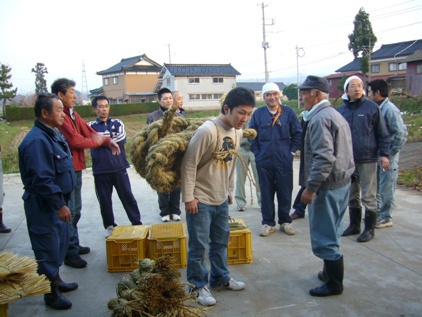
(154, 289)
(18, 278)
(157, 150)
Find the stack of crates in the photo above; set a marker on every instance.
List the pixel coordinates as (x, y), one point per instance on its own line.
(125, 247)
(168, 238)
(239, 250)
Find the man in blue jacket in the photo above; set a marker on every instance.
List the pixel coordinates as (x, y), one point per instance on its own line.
(371, 143)
(378, 92)
(110, 170)
(279, 137)
(46, 169)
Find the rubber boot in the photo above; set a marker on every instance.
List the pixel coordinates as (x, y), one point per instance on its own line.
(355, 215)
(3, 227)
(322, 275)
(65, 287)
(334, 284)
(370, 221)
(55, 299)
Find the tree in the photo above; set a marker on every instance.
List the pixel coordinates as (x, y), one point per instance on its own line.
(40, 83)
(362, 40)
(6, 93)
(290, 92)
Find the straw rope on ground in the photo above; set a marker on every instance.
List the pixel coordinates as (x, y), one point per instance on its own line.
(157, 150)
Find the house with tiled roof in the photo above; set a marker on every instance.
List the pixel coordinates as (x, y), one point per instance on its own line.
(202, 85)
(132, 78)
(414, 73)
(387, 63)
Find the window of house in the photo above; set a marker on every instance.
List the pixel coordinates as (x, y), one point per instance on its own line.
(392, 67)
(193, 80)
(375, 68)
(168, 81)
(419, 69)
(218, 96)
(206, 96)
(403, 66)
(106, 82)
(217, 80)
(194, 96)
(115, 80)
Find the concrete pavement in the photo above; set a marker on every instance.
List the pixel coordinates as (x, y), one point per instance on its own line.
(382, 277)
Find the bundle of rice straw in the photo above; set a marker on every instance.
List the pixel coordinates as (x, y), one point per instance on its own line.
(154, 289)
(157, 150)
(19, 278)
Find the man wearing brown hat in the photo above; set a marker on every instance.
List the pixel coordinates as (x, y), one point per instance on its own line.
(326, 167)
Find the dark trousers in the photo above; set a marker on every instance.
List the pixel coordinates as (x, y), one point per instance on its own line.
(271, 181)
(48, 234)
(104, 184)
(169, 203)
(75, 206)
(298, 205)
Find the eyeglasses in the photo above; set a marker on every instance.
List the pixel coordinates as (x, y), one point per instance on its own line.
(103, 106)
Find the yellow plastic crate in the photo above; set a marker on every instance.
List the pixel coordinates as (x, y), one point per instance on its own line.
(239, 250)
(125, 247)
(168, 238)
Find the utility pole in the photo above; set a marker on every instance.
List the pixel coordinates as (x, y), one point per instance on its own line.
(265, 44)
(84, 84)
(169, 54)
(300, 52)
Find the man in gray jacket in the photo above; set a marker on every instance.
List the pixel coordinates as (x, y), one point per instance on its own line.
(326, 171)
(387, 178)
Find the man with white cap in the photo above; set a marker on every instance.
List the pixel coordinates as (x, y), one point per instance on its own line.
(279, 137)
(325, 168)
(371, 142)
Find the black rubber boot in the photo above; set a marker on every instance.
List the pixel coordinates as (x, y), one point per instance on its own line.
(55, 299)
(65, 287)
(334, 284)
(370, 221)
(3, 227)
(322, 275)
(355, 215)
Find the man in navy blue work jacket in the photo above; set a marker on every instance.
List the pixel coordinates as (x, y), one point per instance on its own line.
(48, 177)
(110, 170)
(279, 137)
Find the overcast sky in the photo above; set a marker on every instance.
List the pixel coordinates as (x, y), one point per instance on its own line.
(98, 34)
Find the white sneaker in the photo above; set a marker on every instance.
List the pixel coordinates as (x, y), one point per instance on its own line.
(232, 285)
(266, 230)
(165, 218)
(205, 297)
(109, 231)
(175, 217)
(287, 228)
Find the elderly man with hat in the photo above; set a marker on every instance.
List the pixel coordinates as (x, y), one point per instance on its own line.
(325, 171)
(279, 137)
(371, 144)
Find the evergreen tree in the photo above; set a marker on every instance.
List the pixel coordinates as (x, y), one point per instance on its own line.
(362, 40)
(5, 92)
(290, 92)
(40, 83)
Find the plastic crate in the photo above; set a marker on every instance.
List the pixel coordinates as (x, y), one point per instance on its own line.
(168, 238)
(125, 247)
(239, 250)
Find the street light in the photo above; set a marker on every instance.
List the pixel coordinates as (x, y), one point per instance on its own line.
(300, 52)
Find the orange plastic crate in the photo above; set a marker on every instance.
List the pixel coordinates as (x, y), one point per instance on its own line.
(168, 238)
(125, 247)
(239, 250)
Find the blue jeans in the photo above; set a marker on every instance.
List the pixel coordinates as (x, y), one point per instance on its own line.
(169, 203)
(209, 227)
(326, 222)
(75, 206)
(386, 189)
